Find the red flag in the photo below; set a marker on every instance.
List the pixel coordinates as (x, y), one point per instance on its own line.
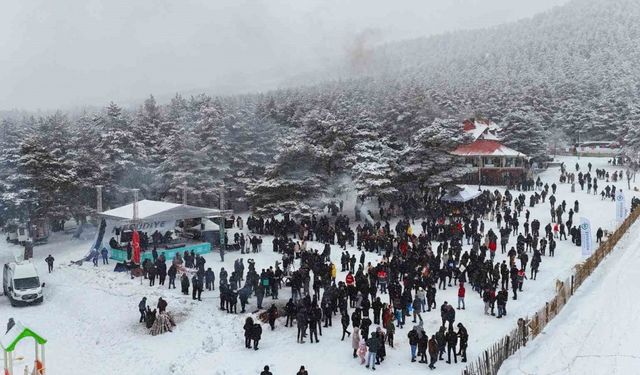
(136, 247)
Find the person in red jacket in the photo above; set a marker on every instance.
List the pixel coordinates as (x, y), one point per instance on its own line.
(349, 279)
(382, 281)
(461, 292)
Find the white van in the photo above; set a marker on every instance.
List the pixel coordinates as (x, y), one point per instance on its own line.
(21, 283)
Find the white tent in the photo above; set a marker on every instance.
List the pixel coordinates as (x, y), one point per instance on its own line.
(149, 210)
(465, 194)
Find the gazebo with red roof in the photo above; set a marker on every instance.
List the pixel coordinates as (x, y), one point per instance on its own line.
(496, 163)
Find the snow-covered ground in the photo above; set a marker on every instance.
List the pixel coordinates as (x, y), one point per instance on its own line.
(596, 332)
(90, 314)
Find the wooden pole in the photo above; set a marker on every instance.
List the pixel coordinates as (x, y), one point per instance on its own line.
(99, 198)
(572, 283)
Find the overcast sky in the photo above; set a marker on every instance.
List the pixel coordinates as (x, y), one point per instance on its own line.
(68, 53)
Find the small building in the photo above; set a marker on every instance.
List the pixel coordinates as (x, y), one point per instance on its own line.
(496, 163)
(597, 148)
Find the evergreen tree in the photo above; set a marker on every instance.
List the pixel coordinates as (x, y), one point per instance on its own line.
(296, 183)
(10, 139)
(123, 153)
(428, 160)
(523, 132)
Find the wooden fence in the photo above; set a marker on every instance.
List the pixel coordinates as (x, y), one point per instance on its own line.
(528, 328)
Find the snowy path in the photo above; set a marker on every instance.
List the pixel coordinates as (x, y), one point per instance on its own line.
(597, 331)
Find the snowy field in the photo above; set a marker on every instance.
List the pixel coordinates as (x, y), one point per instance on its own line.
(90, 314)
(596, 331)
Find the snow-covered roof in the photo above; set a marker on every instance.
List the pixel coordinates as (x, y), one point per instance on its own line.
(154, 210)
(482, 130)
(465, 194)
(475, 130)
(486, 147)
(17, 333)
(24, 270)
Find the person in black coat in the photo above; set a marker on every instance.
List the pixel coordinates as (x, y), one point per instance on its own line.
(272, 315)
(172, 273)
(244, 294)
(260, 295)
(345, 325)
(196, 285)
(301, 319)
(290, 310)
(451, 316)
(151, 273)
(413, 342)
(142, 307)
(162, 305)
(256, 335)
(355, 318)
(423, 342)
(452, 341)
(314, 322)
(50, 261)
(377, 308)
(464, 339)
(184, 283)
(266, 371)
(210, 279)
(441, 339)
(599, 234)
(365, 324)
(248, 326)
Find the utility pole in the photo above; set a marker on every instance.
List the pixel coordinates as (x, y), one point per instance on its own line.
(184, 194)
(135, 206)
(578, 145)
(135, 223)
(479, 173)
(222, 222)
(99, 198)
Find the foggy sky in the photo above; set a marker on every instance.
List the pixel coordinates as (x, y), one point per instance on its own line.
(69, 53)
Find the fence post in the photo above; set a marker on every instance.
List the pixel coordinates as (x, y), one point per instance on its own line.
(486, 358)
(546, 313)
(572, 284)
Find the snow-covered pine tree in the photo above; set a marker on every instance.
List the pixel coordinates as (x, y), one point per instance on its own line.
(428, 160)
(89, 165)
(253, 147)
(147, 129)
(523, 131)
(295, 183)
(183, 167)
(373, 160)
(10, 140)
(212, 146)
(46, 174)
(631, 141)
(123, 153)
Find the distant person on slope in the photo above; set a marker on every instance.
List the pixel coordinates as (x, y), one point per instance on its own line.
(50, 261)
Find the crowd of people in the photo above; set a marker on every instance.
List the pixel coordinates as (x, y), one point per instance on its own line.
(415, 261)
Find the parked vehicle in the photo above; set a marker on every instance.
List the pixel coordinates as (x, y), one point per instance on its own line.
(11, 229)
(21, 283)
(37, 232)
